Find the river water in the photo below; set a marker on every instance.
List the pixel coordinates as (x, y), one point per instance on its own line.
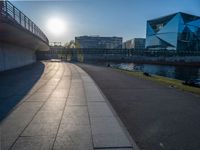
(176, 72)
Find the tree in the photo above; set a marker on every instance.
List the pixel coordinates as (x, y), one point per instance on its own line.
(71, 44)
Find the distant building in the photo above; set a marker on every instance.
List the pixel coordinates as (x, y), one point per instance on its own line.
(55, 44)
(178, 31)
(136, 43)
(98, 42)
(56, 47)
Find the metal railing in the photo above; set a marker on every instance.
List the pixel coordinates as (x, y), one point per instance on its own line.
(122, 52)
(9, 11)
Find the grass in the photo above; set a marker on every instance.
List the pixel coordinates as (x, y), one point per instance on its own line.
(164, 81)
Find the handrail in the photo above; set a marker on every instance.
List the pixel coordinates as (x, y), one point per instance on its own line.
(8, 10)
(128, 53)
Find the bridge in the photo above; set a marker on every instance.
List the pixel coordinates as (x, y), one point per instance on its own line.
(19, 38)
(119, 55)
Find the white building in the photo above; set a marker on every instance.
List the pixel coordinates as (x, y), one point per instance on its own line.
(99, 42)
(136, 43)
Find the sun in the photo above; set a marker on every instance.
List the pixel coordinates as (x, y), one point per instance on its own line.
(56, 26)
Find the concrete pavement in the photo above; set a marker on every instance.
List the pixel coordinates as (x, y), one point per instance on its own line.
(63, 109)
(157, 117)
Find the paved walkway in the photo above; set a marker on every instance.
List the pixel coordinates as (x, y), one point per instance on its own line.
(63, 110)
(157, 117)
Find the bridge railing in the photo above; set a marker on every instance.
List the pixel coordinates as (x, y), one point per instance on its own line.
(9, 11)
(122, 52)
(137, 52)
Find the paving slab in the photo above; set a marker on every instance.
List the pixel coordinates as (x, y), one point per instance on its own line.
(47, 117)
(75, 142)
(76, 111)
(34, 143)
(41, 129)
(53, 106)
(108, 133)
(99, 109)
(76, 101)
(83, 120)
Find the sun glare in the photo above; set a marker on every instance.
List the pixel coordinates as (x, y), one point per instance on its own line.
(56, 26)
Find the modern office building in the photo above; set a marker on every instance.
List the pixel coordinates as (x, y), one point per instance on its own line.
(136, 43)
(98, 42)
(178, 31)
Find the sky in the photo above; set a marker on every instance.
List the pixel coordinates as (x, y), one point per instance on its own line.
(122, 18)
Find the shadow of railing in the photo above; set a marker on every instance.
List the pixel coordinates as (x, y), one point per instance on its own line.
(15, 84)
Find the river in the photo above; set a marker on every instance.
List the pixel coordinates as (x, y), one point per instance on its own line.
(176, 72)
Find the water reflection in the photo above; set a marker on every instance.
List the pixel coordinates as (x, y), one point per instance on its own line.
(177, 72)
(185, 73)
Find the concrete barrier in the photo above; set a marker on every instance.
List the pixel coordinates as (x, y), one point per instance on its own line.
(13, 56)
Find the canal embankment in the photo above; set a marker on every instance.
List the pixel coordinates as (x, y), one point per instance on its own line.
(173, 83)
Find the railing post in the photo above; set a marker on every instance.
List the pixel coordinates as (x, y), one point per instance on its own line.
(20, 18)
(28, 24)
(6, 8)
(1, 8)
(32, 27)
(24, 21)
(13, 9)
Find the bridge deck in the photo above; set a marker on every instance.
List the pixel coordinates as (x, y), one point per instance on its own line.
(16, 28)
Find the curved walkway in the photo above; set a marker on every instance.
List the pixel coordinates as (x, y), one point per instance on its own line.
(63, 110)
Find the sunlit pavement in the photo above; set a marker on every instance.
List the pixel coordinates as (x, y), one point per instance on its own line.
(63, 110)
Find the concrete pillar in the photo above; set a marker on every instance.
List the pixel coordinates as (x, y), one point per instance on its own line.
(12, 56)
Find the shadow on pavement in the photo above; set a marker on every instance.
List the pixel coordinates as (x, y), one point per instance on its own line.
(15, 84)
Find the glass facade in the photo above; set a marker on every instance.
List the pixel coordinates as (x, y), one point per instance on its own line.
(179, 31)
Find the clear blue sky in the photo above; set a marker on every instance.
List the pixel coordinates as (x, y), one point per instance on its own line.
(125, 18)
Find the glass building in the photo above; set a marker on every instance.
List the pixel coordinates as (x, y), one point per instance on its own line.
(178, 31)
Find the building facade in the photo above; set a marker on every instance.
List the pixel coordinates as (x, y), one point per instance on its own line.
(136, 43)
(178, 31)
(98, 42)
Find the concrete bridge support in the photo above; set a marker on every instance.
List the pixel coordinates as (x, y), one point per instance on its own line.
(12, 56)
